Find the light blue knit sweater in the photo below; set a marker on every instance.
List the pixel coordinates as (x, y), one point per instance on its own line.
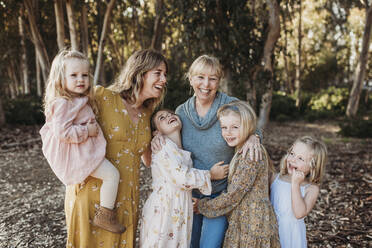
(202, 137)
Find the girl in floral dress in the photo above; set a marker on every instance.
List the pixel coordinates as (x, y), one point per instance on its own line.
(167, 213)
(246, 203)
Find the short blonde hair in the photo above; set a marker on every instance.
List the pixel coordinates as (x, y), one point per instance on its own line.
(204, 63)
(130, 81)
(248, 124)
(248, 119)
(317, 162)
(56, 80)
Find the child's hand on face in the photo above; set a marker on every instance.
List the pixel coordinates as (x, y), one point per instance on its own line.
(92, 129)
(219, 171)
(297, 177)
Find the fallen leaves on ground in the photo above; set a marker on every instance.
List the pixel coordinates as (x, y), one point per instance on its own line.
(32, 198)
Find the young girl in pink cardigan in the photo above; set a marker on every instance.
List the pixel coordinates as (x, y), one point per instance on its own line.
(73, 142)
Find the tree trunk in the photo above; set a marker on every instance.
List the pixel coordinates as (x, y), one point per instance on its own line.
(39, 88)
(38, 41)
(106, 21)
(272, 37)
(298, 58)
(222, 21)
(24, 66)
(2, 114)
(353, 103)
(13, 79)
(71, 24)
(285, 55)
(226, 82)
(137, 32)
(251, 93)
(12, 91)
(158, 29)
(58, 10)
(84, 29)
(118, 51)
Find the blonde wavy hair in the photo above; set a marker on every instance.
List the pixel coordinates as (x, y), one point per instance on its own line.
(317, 162)
(56, 86)
(205, 63)
(248, 125)
(130, 81)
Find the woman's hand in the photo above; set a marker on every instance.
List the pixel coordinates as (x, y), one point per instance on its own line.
(157, 142)
(195, 205)
(254, 146)
(219, 171)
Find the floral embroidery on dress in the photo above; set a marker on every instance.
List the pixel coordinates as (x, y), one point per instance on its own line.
(167, 214)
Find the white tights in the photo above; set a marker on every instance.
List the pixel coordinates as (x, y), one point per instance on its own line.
(110, 177)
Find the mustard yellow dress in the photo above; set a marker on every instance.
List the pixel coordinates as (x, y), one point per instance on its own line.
(126, 142)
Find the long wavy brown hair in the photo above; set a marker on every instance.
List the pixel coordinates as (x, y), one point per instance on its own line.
(130, 81)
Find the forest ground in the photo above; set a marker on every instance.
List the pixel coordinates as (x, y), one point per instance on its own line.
(32, 198)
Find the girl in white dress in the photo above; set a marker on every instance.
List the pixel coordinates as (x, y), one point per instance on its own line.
(295, 189)
(167, 214)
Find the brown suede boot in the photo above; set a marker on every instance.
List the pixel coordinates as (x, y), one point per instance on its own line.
(106, 219)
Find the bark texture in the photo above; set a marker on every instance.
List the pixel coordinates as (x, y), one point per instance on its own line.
(359, 75)
(272, 37)
(58, 10)
(72, 26)
(102, 40)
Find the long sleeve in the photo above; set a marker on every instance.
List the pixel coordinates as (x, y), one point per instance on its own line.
(241, 182)
(64, 114)
(171, 163)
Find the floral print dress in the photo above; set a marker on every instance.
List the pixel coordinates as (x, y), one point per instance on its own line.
(246, 203)
(167, 214)
(126, 142)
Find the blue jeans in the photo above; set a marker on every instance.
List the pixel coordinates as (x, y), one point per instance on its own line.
(208, 232)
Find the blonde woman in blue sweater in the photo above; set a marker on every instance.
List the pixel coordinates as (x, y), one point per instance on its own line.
(201, 135)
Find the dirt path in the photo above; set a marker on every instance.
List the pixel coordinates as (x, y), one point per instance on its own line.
(32, 198)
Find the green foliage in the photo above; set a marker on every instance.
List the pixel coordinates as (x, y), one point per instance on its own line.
(356, 128)
(322, 74)
(330, 100)
(283, 107)
(26, 110)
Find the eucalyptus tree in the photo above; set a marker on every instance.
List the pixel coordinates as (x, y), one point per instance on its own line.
(360, 70)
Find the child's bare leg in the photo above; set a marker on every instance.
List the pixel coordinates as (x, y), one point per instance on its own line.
(110, 177)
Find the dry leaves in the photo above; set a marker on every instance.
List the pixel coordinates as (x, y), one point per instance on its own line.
(32, 198)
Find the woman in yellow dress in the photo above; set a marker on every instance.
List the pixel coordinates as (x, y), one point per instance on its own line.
(124, 116)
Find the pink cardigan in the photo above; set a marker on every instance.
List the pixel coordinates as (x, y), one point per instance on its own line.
(72, 155)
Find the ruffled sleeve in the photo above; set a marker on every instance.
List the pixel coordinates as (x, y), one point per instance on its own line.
(170, 162)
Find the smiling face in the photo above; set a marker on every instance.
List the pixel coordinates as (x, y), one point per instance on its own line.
(167, 122)
(299, 158)
(76, 76)
(205, 84)
(230, 127)
(154, 82)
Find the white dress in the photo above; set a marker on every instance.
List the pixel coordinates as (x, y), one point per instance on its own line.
(292, 231)
(167, 214)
